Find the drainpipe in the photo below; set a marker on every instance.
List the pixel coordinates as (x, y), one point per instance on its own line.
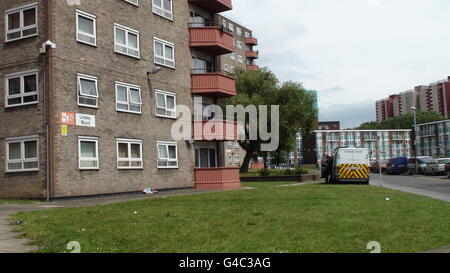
(48, 103)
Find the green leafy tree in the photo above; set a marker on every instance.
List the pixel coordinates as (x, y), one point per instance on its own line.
(262, 88)
(402, 122)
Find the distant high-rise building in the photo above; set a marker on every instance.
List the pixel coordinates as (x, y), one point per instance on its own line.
(425, 98)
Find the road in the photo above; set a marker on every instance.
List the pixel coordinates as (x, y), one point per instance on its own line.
(432, 186)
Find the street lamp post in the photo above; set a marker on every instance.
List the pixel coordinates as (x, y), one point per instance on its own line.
(414, 109)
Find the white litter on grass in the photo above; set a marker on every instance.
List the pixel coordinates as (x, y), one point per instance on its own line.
(135, 212)
(388, 199)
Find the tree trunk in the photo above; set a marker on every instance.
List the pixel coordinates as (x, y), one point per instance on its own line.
(246, 163)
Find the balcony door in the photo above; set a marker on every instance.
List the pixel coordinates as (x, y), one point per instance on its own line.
(201, 65)
(205, 158)
(198, 20)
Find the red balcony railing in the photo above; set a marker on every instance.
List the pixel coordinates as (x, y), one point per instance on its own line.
(213, 6)
(213, 84)
(210, 39)
(251, 41)
(252, 67)
(217, 178)
(252, 54)
(215, 130)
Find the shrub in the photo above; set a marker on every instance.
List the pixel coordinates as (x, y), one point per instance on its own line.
(300, 171)
(288, 172)
(264, 172)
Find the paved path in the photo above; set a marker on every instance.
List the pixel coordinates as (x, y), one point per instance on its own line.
(434, 187)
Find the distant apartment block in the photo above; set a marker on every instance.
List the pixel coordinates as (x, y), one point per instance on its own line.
(382, 144)
(433, 97)
(433, 139)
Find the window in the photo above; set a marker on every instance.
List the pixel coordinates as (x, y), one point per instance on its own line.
(231, 27)
(240, 59)
(239, 44)
(233, 56)
(86, 28)
(163, 8)
(126, 41)
(164, 53)
(22, 154)
(21, 88)
(134, 2)
(205, 158)
(167, 155)
(129, 154)
(21, 22)
(166, 104)
(198, 20)
(128, 98)
(88, 153)
(87, 91)
(247, 34)
(239, 31)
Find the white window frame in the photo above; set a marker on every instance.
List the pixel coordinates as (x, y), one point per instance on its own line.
(129, 103)
(131, 2)
(239, 44)
(90, 78)
(88, 139)
(160, 11)
(22, 159)
(128, 159)
(21, 28)
(164, 43)
(22, 93)
(167, 144)
(94, 22)
(166, 94)
(127, 31)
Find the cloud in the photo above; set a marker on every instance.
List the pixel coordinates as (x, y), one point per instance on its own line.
(351, 51)
(377, 3)
(349, 114)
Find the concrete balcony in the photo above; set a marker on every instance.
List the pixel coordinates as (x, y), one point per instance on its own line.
(252, 54)
(215, 130)
(213, 6)
(217, 179)
(213, 84)
(252, 67)
(210, 39)
(251, 41)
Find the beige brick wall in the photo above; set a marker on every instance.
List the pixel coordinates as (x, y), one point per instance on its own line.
(72, 57)
(18, 56)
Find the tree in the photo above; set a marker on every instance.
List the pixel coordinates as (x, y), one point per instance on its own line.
(402, 122)
(261, 87)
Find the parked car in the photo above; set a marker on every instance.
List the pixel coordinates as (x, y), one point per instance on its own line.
(423, 161)
(375, 168)
(436, 166)
(397, 165)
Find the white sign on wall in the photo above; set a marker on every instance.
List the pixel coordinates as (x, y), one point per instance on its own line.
(85, 120)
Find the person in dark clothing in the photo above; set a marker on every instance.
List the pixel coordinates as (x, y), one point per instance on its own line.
(323, 166)
(329, 170)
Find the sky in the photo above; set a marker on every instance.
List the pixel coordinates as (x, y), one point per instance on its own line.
(353, 52)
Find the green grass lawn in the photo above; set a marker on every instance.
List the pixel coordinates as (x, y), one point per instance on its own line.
(17, 201)
(307, 218)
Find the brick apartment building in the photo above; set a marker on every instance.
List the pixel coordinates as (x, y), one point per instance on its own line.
(433, 97)
(433, 139)
(382, 144)
(244, 56)
(93, 113)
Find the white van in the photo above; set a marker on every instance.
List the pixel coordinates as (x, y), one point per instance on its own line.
(351, 165)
